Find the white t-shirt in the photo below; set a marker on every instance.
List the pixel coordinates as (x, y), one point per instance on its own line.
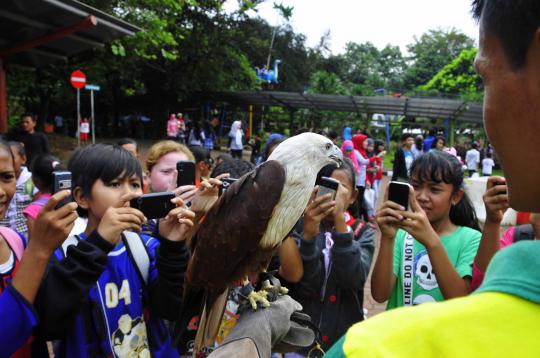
(472, 159)
(487, 166)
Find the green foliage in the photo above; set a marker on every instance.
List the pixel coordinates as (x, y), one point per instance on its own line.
(431, 52)
(458, 77)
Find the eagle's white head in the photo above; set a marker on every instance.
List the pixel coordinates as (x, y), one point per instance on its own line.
(302, 157)
(309, 149)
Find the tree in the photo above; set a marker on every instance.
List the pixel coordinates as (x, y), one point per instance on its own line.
(431, 52)
(458, 78)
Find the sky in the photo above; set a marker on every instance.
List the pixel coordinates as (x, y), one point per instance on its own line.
(381, 22)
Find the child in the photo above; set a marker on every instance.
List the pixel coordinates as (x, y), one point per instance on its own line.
(404, 158)
(487, 165)
(336, 252)
(427, 252)
(42, 171)
(472, 158)
(24, 192)
(130, 145)
(107, 290)
(19, 279)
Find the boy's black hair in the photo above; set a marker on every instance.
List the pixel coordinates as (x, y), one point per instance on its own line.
(29, 114)
(347, 167)
(236, 168)
(474, 145)
(489, 155)
(42, 169)
(437, 138)
(100, 161)
(512, 22)
(441, 167)
(405, 136)
(19, 146)
(201, 154)
(126, 140)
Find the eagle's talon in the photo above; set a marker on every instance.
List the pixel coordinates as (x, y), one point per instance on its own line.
(283, 290)
(258, 296)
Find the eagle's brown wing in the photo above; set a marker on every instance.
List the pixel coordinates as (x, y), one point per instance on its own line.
(227, 244)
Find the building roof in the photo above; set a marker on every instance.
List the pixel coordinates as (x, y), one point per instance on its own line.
(413, 107)
(34, 33)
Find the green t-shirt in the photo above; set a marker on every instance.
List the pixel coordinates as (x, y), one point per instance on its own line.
(460, 246)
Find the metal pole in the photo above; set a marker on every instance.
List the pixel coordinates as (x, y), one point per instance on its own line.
(250, 121)
(78, 117)
(92, 109)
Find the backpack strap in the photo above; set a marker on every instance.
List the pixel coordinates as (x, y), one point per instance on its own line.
(523, 232)
(139, 255)
(14, 241)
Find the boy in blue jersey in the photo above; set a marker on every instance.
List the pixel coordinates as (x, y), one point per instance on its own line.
(95, 299)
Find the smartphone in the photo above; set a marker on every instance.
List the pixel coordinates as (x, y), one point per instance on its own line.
(186, 173)
(154, 205)
(398, 192)
(327, 185)
(226, 183)
(61, 181)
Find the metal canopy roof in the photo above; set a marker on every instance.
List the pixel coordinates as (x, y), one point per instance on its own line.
(414, 107)
(34, 33)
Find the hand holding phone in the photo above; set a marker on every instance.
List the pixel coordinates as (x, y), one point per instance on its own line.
(495, 199)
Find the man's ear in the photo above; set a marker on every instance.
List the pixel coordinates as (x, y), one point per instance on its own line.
(457, 196)
(24, 160)
(79, 197)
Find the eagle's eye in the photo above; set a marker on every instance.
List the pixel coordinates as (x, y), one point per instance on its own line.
(328, 146)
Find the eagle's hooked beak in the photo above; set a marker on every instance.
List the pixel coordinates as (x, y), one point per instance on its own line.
(337, 156)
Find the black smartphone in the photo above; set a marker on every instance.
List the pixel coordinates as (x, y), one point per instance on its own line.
(186, 173)
(61, 180)
(226, 183)
(327, 185)
(399, 193)
(154, 205)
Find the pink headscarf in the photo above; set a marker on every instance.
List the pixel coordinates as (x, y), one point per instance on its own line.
(352, 157)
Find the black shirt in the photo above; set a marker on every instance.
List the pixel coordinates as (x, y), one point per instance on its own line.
(34, 144)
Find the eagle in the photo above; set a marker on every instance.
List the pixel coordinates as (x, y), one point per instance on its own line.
(243, 229)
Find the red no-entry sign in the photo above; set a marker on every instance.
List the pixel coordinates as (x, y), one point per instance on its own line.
(77, 79)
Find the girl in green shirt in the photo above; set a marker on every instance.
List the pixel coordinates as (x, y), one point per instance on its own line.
(427, 252)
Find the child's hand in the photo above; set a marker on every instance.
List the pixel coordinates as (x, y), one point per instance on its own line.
(417, 223)
(317, 209)
(53, 226)
(496, 199)
(176, 225)
(207, 195)
(186, 192)
(119, 218)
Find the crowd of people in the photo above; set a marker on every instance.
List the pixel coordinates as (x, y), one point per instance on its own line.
(91, 276)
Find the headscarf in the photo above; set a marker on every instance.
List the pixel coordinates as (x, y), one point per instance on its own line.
(358, 141)
(352, 157)
(347, 133)
(236, 132)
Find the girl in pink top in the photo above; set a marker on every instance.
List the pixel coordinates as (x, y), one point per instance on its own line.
(172, 127)
(42, 169)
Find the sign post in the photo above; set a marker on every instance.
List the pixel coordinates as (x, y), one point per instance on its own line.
(78, 80)
(92, 88)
